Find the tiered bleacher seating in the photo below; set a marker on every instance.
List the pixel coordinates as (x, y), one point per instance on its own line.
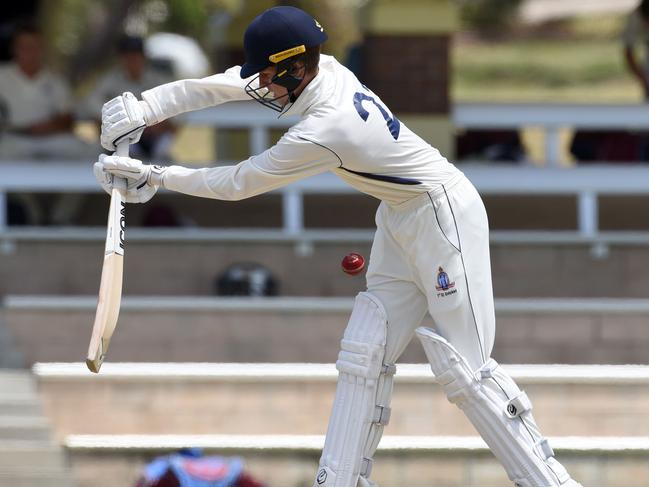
(29, 457)
(274, 415)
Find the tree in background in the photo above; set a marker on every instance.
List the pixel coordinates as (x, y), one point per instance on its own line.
(490, 18)
(341, 19)
(81, 34)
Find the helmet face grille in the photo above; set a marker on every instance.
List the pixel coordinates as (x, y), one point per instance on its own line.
(263, 95)
(286, 76)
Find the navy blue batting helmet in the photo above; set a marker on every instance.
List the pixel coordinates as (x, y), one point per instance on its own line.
(278, 34)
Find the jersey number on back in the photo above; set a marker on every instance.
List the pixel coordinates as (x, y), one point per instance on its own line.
(393, 123)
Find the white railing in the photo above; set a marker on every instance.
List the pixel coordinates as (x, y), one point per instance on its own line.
(242, 115)
(586, 183)
(550, 117)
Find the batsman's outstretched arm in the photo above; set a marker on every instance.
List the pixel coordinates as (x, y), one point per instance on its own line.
(187, 95)
(291, 159)
(125, 117)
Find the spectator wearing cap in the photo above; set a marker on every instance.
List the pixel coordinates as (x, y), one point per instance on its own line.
(133, 73)
(36, 106)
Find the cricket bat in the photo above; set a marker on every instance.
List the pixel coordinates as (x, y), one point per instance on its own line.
(110, 287)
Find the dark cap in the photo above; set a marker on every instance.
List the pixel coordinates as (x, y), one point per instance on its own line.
(130, 44)
(279, 30)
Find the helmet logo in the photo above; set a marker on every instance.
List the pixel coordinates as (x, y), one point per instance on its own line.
(318, 25)
(280, 56)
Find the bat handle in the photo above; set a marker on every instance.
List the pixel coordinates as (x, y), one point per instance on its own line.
(122, 151)
(122, 148)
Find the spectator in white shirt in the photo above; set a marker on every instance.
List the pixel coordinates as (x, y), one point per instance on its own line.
(36, 106)
(36, 123)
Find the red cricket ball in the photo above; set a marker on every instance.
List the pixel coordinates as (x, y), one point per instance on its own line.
(353, 263)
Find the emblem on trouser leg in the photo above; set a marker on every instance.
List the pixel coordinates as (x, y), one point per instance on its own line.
(444, 286)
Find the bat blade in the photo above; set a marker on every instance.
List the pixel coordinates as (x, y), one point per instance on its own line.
(110, 296)
(110, 287)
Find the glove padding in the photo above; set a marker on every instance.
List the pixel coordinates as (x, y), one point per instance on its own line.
(142, 180)
(122, 118)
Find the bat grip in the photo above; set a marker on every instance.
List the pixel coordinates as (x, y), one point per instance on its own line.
(121, 150)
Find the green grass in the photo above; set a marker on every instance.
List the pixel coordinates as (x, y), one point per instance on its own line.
(584, 65)
(597, 26)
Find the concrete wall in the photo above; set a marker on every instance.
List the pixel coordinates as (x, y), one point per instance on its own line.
(189, 268)
(160, 333)
(212, 402)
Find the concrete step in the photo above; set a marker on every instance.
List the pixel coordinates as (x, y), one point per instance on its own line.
(10, 356)
(25, 454)
(35, 477)
(185, 329)
(16, 382)
(420, 461)
(24, 428)
(26, 405)
(296, 399)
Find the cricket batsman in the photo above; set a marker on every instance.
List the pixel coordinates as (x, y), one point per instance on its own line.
(430, 252)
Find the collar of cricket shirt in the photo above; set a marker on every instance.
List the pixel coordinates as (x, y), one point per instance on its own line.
(316, 90)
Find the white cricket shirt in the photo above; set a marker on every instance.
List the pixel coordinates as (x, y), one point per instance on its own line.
(344, 128)
(32, 100)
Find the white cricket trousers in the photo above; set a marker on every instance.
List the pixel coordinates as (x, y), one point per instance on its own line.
(431, 254)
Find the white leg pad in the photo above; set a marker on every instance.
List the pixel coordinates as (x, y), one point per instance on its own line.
(362, 403)
(499, 411)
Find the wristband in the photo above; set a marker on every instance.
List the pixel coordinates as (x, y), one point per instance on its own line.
(156, 175)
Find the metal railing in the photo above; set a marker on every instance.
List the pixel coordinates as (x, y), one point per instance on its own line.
(585, 183)
(552, 118)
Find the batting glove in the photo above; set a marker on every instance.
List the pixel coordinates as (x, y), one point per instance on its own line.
(123, 117)
(142, 180)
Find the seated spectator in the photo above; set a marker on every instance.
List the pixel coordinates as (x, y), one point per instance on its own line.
(609, 146)
(490, 146)
(36, 106)
(36, 123)
(133, 73)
